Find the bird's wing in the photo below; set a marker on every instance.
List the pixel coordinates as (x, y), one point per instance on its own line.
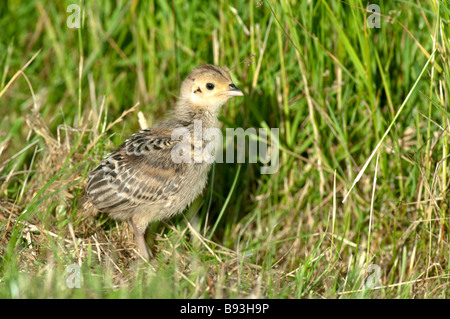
(139, 171)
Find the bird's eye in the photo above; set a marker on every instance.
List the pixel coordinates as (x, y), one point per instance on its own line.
(210, 86)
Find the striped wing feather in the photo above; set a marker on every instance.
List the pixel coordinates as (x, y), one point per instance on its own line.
(139, 172)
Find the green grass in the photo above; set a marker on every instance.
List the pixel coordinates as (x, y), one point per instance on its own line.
(337, 90)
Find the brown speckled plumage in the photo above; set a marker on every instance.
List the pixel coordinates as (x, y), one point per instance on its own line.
(140, 182)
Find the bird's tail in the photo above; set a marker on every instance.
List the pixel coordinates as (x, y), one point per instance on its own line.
(86, 208)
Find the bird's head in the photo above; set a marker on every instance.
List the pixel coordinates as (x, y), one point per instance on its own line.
(208, 87)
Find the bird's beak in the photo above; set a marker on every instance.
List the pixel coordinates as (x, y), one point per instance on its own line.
(233, 92)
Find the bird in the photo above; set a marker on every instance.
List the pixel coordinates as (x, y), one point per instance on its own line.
(141, 181)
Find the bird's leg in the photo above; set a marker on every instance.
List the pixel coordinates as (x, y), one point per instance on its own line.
(140, 238)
